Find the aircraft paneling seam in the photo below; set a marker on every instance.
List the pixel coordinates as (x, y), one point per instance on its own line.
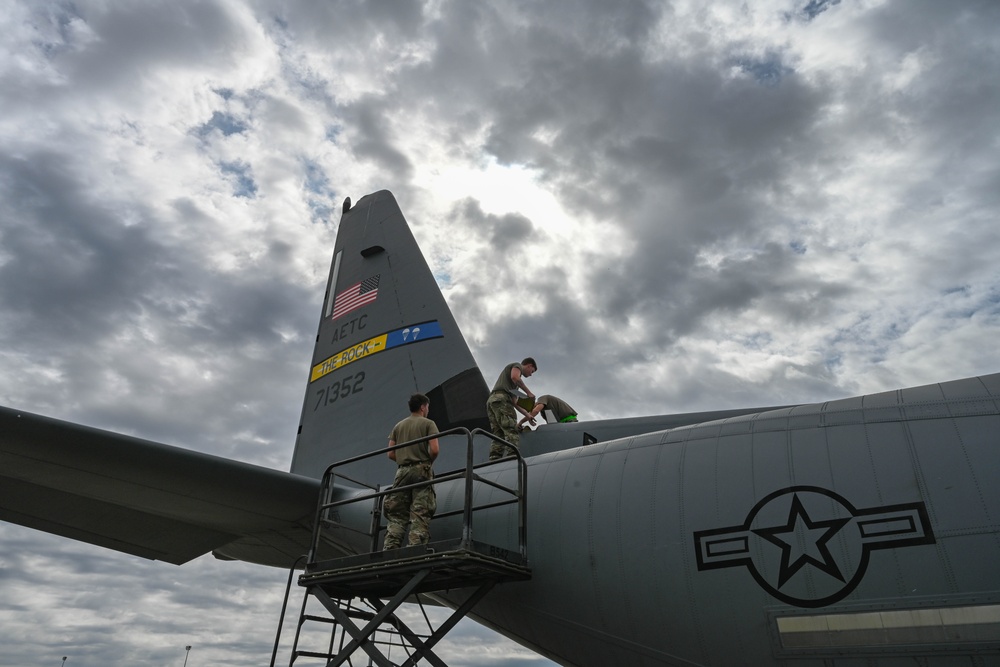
(971, 468)
(591, 547)
(773, 426)
(685, 555)
(962, 532)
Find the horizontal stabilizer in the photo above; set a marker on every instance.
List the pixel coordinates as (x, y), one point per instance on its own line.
(144, 498)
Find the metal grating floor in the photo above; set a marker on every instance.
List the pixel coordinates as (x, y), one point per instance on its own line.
(383, 573)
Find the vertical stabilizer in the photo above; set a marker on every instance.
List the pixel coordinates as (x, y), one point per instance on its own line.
(385, 332)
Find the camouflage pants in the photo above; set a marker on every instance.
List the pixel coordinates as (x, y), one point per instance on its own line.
(503, 423)
(411, 508)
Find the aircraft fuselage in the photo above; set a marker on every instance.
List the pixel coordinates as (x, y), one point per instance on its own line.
(863, 528)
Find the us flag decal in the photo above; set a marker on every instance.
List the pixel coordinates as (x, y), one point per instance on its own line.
(355, 296)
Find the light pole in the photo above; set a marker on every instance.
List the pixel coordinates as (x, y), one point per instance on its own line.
(64, 661)
(187, 652)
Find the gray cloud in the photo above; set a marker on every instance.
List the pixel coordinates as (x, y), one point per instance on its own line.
(122, 46)
(375, 139)
(69, 260)
(748, 206)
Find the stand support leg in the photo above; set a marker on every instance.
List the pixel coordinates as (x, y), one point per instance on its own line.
(360, 637)
(423, 649)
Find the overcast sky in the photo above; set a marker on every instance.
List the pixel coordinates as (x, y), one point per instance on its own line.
(673, 206)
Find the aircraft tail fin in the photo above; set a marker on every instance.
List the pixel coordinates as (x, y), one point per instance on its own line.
(385, 332)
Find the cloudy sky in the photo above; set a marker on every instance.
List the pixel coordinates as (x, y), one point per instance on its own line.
(673, 206)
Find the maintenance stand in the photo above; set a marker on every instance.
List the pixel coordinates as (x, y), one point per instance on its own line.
(362, 592)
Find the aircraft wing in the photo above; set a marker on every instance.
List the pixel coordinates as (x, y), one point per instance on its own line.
(145, 498)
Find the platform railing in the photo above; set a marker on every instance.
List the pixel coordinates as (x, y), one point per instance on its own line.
(469, 473)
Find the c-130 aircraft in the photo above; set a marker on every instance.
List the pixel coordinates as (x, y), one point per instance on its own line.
(862, 531)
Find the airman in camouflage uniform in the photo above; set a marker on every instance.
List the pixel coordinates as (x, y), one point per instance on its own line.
(412, 508)
(502, 402)
(560, 409)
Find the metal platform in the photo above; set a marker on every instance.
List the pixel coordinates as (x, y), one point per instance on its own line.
(384, 580)
(450, 564)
